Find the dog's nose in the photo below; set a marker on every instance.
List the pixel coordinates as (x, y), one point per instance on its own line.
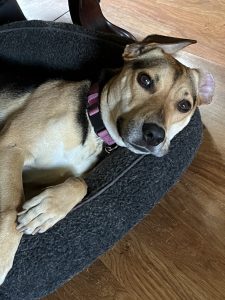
(153, 134)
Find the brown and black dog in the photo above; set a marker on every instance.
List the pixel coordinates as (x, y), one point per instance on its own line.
(46, 128)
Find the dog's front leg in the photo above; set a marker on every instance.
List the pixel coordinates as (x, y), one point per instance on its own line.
(11, 196)
(43, 211)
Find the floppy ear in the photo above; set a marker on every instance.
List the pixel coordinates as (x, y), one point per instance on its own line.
(169, 44)
(206, 88)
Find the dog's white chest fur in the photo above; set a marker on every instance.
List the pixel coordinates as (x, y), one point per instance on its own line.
(55, 160)
(77, 160)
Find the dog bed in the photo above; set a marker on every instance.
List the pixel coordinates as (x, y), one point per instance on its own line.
(123, 187)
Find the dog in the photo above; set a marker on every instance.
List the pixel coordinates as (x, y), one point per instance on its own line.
(48, 137)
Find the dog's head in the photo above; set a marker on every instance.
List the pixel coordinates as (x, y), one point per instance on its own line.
(154, 96)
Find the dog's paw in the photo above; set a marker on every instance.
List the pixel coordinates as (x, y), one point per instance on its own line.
(40, 213)
(45, 210)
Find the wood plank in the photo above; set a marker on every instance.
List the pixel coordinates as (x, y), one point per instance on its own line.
(200, 20)
(97, 282)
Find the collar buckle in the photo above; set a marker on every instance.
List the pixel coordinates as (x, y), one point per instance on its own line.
(108, 149)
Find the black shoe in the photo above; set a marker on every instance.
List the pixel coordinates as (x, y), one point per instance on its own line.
(88, 13)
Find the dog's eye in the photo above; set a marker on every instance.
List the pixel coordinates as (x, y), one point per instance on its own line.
(184, 106)
(145, 81)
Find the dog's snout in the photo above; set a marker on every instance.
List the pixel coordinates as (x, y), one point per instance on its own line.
(153, 134)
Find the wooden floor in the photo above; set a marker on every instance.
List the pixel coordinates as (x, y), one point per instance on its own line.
(178, 251)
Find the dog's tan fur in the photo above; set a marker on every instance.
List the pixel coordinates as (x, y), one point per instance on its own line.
(40, 131)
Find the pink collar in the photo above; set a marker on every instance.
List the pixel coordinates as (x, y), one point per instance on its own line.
(93, 109)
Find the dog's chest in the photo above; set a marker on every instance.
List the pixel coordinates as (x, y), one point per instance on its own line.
(56, 161)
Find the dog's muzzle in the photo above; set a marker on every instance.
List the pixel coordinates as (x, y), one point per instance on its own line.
(143, 138)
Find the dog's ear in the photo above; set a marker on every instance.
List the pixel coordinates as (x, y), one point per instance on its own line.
(206, 87)
(169, 44)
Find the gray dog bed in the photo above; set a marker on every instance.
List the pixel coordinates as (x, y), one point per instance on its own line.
(123, 188)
